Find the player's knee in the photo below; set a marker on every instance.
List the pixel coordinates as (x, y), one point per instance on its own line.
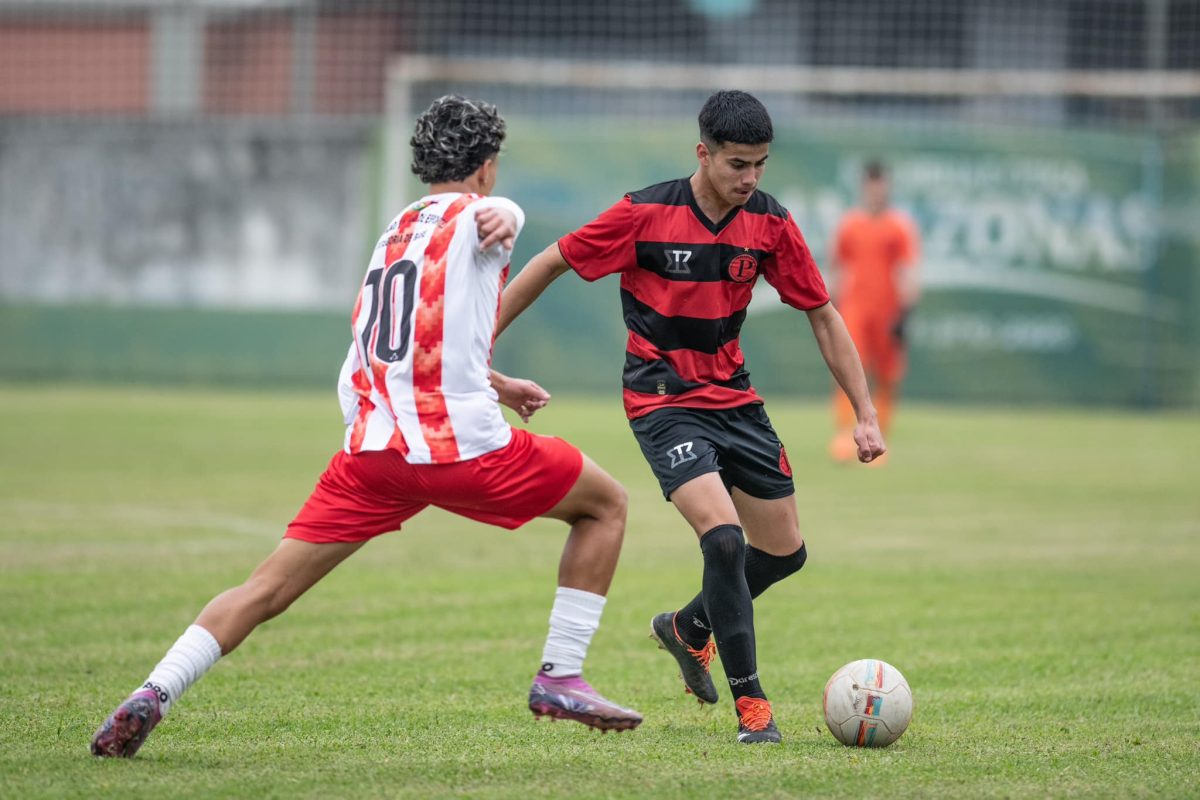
(617, 502)
(609, 502)
(724, 546)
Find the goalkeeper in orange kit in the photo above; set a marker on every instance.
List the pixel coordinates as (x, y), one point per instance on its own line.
(875, 286)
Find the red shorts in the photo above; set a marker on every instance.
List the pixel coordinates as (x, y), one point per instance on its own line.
(361, 496)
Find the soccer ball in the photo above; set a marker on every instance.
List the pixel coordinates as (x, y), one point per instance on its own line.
(867, 704)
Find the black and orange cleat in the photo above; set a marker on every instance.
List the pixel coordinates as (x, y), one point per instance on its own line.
(693, 663)
(756, 723)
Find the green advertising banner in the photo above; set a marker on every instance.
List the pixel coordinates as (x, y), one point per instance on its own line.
(1047, 272)
(1058, 267)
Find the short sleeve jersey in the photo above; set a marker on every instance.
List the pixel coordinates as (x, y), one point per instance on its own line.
(685, 285)
(416, 377)
(870, 251)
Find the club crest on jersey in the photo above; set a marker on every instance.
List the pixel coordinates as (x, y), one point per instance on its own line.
(677, 262)
(743, 268)
(681, 454)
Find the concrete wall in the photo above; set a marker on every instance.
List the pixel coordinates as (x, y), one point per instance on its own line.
(212, 215)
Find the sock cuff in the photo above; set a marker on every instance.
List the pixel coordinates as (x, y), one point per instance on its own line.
(796, 559)
(721, 534)
(579, 598)
(201, 638)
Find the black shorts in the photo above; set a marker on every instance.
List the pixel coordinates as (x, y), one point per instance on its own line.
(685, 443)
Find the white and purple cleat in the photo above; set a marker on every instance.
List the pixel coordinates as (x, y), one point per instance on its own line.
(573, 698)
(127, 728)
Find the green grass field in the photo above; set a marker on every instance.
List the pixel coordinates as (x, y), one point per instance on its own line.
(1033, 574)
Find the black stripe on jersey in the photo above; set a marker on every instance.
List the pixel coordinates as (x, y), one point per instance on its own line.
(668, 193)
(692, 262)
(762, 203)
(680, 333)
(679, 193)
(657, 377)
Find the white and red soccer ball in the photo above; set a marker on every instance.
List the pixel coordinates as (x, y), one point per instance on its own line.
(867, 704)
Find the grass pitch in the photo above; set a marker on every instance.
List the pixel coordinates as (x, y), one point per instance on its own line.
(1033, 574)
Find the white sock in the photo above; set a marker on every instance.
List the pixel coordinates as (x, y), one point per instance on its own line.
(188, 659)
(573, 620)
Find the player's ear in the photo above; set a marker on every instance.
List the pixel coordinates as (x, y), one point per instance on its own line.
(702, 154)
(486, 174)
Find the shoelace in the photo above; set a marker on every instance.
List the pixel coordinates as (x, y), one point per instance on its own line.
(705, 654)
(753, 713)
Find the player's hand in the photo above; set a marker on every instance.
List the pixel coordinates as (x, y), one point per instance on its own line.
(523, 396)
(496, 226)
(869, 440)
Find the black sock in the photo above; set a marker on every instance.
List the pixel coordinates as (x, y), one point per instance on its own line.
(728, 605)
(762, 570)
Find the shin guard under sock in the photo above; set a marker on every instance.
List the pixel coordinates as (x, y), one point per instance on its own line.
(729, 607)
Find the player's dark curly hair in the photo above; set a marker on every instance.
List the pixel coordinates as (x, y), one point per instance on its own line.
(733, 116)
(454, 137)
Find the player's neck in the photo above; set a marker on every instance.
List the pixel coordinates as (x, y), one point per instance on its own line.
(469, 186)
(707, 198)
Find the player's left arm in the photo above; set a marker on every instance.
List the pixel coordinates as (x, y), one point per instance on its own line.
(794, 274)
(840, 354)
(498, 222)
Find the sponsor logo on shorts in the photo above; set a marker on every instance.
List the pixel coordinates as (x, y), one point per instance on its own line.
(785, 466)
(681, 454)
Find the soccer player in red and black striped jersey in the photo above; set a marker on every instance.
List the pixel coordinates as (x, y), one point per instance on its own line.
(689, 252)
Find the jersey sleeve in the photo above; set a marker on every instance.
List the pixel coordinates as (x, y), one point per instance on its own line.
(792, 271)
(603, 246)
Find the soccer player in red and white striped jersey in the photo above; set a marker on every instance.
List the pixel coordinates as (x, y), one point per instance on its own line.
(689, 252)
(423, 428)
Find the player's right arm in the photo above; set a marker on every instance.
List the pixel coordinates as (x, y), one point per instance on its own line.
(529, 284)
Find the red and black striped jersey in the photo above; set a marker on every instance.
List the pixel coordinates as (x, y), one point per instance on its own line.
(685, 285)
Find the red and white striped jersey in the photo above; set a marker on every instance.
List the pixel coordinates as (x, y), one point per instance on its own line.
(416, 378)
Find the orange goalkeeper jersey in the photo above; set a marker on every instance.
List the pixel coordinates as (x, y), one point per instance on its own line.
(871, 250)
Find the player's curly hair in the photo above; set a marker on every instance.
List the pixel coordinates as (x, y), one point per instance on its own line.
(733, 116)
(454, 137)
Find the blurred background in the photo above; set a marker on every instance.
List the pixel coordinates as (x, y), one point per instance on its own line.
(189, 189)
